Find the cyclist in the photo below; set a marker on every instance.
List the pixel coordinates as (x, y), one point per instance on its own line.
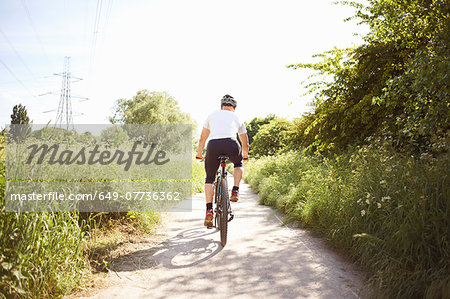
(221, 127)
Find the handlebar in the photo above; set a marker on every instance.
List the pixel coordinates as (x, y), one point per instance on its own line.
(203, 158)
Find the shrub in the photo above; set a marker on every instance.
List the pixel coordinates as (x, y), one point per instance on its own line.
(271, 137)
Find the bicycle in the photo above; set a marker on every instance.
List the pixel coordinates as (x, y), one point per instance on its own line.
(223, 211)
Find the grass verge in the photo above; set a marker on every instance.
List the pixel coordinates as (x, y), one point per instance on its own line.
(389, 211)
(46, 255)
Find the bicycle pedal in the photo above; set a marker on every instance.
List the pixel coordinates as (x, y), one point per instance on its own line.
(231, 216)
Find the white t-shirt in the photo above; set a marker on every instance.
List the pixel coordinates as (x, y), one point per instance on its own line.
(224, 124)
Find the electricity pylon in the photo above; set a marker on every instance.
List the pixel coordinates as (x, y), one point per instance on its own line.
(65, 102)
(64, 114)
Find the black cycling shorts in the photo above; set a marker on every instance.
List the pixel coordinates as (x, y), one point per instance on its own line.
(221, 147)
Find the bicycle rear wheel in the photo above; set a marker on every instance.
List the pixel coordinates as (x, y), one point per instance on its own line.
(224, 202)
(216, 201)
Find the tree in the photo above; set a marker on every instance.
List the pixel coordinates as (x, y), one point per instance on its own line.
(395, 84)
(254, 125)
(298, 137)
(19, 115)
(149, 108)
(20, 128)
(160, 110)
(271, 138)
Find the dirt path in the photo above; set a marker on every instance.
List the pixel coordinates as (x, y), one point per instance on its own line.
(262, 259)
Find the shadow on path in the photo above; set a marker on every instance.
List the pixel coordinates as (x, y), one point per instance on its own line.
(187, 249)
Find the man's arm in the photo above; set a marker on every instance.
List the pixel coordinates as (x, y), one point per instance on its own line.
(244, 141)
(201, 143)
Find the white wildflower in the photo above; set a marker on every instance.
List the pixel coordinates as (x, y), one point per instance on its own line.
(363, 212)
(385, 198)
(382, 182)
(379, 205)
(367, 201)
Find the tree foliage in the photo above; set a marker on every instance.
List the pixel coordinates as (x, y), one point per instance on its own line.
(254, 125)
(20, 128)
(271, 138)
(149, 108)
(155, 108)
(20, 115)
(114, 135)
(395, 84)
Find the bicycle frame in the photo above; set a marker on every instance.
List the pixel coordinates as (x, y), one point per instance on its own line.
(221, 182)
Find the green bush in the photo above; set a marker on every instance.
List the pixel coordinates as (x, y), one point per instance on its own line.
(389, 211)
(254, 125)
(271, 137)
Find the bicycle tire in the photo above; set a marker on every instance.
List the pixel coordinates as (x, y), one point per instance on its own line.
(224, 202)
(216, 200)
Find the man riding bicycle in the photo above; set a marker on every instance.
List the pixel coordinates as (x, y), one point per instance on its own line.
(221, 127)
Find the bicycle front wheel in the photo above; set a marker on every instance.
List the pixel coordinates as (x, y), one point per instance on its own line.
(224, 202)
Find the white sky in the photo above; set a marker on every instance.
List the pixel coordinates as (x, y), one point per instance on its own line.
(196, 50)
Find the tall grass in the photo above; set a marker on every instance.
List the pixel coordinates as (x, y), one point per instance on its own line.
(45, 254)
(41, 254)
(198, 176)
(390, 212)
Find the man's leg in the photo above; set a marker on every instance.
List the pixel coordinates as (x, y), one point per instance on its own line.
(237, 175)
(209, 194)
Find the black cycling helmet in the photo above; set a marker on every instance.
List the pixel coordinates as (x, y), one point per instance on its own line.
(228, 100)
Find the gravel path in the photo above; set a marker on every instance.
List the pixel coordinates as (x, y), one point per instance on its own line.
(262, 259)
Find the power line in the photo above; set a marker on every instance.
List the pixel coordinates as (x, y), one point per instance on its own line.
(86, 16)
(17, 78)
(35, 32)
(107, 17)
(17, 54)
(98, 13)
(97, 21)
